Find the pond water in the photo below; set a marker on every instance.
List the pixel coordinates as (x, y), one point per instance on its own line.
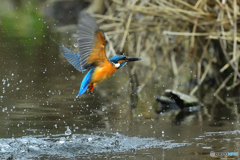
(41, 117)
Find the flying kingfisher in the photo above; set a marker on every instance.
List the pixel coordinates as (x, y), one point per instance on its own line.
(92, 54)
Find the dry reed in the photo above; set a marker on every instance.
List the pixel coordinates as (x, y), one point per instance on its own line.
(202, 34)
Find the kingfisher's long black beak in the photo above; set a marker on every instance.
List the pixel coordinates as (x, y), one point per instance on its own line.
(129, 59)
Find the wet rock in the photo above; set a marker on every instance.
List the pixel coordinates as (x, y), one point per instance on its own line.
(183, 104)
(177, 100)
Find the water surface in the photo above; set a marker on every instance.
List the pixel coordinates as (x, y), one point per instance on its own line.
(39, 109)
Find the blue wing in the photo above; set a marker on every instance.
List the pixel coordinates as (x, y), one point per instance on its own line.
(85, 82)
(72, 58)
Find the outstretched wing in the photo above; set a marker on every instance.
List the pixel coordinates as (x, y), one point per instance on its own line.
(72, 58)
(91, 42)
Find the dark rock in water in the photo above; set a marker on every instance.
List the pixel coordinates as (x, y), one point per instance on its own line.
(166, 104)
(173, 100)
(178, 100)
(183, 100)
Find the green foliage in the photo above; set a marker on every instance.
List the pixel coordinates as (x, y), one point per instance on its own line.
(23, 22)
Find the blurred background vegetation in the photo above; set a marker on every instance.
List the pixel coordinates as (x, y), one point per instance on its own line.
(193, 44)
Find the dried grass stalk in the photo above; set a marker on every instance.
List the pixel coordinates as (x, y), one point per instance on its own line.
(192, 28)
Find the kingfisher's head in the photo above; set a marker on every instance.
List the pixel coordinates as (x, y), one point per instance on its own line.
(121, 60)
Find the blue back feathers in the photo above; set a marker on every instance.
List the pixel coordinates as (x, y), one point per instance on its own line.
(85, 82)
(75, 60)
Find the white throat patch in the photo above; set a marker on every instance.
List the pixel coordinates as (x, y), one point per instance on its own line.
(117, 65)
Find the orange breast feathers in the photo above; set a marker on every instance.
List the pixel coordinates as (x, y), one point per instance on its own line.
(104, 71)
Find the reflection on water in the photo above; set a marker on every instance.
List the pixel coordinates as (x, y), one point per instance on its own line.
(37, 98)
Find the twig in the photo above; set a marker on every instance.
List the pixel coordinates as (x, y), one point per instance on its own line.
(126, 31)
(202, 78)
(234, 40)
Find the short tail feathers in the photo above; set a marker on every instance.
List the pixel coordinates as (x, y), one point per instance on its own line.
(85, 82)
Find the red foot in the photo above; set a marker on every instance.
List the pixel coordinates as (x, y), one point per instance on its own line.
(90, 87)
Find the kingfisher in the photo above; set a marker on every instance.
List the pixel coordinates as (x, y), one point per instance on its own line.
(92, 55)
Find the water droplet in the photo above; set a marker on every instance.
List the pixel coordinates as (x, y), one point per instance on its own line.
(68, 131)
(89, 139)
(4, 81)
(62, 140)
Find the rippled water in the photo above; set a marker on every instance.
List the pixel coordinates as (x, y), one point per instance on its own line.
(40, 116)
